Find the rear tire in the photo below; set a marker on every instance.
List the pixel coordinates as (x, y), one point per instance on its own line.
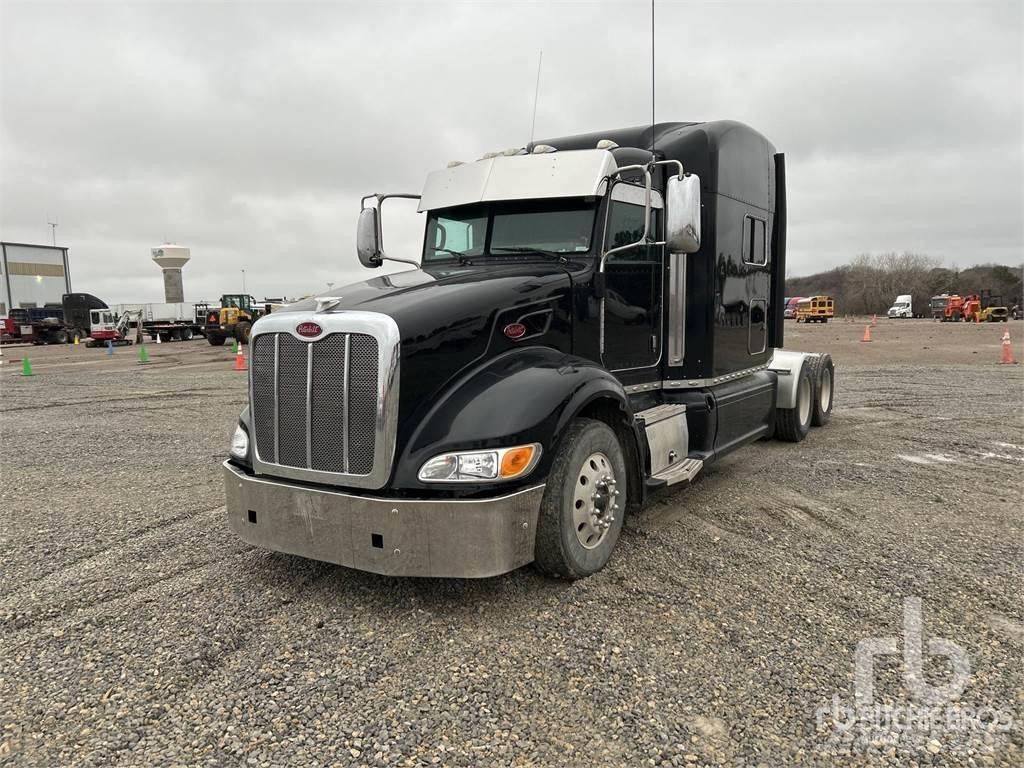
(793, 424)
(823, 373)
(216, 340)
(584, 501)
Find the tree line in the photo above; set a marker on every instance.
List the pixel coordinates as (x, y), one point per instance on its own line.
(870, 283)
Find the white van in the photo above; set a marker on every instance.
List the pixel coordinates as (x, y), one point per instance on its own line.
(902, 307)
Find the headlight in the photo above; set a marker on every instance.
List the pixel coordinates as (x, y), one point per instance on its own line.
(240, 443)
(476, 466)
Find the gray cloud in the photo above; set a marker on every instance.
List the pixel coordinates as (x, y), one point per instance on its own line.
(249, 131)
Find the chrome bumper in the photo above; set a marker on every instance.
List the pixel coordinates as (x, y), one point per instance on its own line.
(397, 537)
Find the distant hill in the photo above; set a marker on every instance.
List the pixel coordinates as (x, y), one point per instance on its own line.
(871, 282)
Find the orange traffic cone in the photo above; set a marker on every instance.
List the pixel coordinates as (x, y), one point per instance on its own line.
(874, 322)
(1007, 356)
(240, 360)
(867, 333)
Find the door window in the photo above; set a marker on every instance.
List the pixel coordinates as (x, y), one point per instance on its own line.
(755, 241)
(633, 282)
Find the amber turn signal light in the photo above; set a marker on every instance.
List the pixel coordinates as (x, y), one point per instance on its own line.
(515, 461)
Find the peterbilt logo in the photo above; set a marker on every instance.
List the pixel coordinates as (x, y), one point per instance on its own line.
(515, 331)
(308, 329)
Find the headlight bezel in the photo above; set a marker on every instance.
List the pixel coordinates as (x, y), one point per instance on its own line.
(493, 455)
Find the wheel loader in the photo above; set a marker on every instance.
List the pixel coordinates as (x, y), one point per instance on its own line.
(233, 320)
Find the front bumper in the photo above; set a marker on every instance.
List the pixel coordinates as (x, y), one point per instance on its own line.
(398, 537)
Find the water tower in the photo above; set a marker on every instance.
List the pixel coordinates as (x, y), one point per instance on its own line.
(171, 258)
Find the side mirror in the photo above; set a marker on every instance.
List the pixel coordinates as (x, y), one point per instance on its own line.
(682, 214)
(368, 239)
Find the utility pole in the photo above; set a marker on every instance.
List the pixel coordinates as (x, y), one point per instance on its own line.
(53, 230)
(243, 282)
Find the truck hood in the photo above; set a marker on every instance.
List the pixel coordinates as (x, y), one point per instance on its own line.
(448, 317)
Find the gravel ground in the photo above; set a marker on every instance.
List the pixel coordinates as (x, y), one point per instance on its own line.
(138, 630)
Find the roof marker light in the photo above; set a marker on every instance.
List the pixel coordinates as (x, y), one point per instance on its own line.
(511, 152)
(455, 163)
(607, 144)
(489, 155)
(543, 149)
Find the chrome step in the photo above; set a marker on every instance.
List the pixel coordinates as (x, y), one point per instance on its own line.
(681, 472)
(660, 413)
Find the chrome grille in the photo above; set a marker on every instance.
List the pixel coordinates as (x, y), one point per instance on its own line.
(315, 403)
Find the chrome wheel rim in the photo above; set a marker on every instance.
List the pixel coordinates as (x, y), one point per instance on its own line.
(595, 500)
(804, 397)
(825, 393)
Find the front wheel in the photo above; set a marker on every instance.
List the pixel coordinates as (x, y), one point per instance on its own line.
(215, 339)
(242, 331)
(582, 509)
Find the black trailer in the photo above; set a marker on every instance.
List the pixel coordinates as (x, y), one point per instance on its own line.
(589, 323)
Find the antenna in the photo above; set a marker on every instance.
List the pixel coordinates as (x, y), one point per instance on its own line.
(652, 78)
(53, 229)
(536, 96)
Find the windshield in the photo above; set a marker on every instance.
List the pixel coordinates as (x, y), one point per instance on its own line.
(510, 229)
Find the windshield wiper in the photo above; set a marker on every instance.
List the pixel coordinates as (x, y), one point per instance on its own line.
(559, 257)
(463, 258)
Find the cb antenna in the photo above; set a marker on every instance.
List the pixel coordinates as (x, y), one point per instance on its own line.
(53, 229)
(536, 96)
(652, 79)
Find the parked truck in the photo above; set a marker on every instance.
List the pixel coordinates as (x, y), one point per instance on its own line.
(937, 305)
(589, 323)
(903, 307)
(55, 324)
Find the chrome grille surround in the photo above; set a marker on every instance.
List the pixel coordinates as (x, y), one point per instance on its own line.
(306, 396)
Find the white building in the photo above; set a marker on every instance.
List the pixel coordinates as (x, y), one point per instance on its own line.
(32, 275)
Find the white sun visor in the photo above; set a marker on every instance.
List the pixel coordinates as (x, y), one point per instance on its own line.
(577, 173)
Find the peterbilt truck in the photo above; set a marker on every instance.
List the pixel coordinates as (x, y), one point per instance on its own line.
(592, 320)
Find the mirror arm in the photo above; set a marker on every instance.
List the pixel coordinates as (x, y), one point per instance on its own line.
(381, 256)
(647, 214)
(671, 162)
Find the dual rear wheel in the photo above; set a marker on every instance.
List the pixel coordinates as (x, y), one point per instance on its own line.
(814, 399)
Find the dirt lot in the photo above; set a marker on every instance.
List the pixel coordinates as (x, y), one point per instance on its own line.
(138, 630)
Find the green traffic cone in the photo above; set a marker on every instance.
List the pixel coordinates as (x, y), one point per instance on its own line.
(234, 347)
(143, 354)
(26, 367)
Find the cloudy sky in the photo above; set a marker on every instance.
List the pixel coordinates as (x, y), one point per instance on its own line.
(248, 131)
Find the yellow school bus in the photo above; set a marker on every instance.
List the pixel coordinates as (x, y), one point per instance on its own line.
(815, 309)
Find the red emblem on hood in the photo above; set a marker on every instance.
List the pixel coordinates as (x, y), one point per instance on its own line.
(309, 329)
(515, 331)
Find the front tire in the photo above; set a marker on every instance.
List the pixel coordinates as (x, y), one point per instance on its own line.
(215, 339)
(584, 501)
(793, 424)
(242, 331)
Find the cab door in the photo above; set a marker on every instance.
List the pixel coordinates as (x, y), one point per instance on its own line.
(631, 307)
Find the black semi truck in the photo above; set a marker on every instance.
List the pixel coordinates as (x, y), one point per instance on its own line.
(593, 319)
